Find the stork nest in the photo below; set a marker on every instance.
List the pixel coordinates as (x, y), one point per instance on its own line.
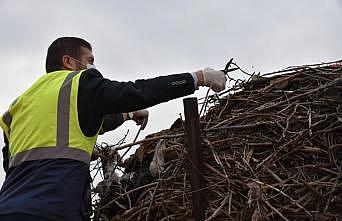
(272, 150)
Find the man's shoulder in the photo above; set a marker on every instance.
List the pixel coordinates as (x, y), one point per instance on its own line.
(91, 73)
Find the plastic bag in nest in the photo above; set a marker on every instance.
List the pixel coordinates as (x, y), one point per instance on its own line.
(158, 162)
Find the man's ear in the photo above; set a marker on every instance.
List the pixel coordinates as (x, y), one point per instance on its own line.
(68, 63)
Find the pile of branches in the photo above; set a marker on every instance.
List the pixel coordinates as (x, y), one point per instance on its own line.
(272, 150)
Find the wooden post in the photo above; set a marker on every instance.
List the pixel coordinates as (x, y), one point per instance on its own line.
(195, 163)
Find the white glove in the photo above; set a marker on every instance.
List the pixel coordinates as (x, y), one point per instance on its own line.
(209, 77)
(140, 117)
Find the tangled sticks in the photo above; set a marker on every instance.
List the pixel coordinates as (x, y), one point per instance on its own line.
(272, 148)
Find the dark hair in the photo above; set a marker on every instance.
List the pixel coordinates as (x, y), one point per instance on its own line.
(64, 46)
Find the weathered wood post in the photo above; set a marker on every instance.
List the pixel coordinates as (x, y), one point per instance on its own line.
(195, 162)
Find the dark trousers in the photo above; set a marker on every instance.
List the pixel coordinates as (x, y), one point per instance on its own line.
(21, 217)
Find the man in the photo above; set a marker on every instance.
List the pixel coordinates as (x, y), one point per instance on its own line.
(52, 128)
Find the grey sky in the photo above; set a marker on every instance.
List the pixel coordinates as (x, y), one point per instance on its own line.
(141, 39)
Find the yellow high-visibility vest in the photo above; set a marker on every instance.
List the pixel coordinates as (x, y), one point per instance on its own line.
(43, 122)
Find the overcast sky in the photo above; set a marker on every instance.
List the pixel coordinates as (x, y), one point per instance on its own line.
(142, 39)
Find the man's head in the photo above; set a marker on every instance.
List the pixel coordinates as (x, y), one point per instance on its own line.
(68, 53)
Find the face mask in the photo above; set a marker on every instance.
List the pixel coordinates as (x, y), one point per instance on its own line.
(88, 66)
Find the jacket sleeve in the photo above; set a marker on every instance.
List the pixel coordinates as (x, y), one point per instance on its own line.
(110, 97)
(111, 122)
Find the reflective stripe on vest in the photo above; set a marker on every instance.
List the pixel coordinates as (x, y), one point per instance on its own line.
(79, 150)
(63, 111)
(40, 153)
(7, 119)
